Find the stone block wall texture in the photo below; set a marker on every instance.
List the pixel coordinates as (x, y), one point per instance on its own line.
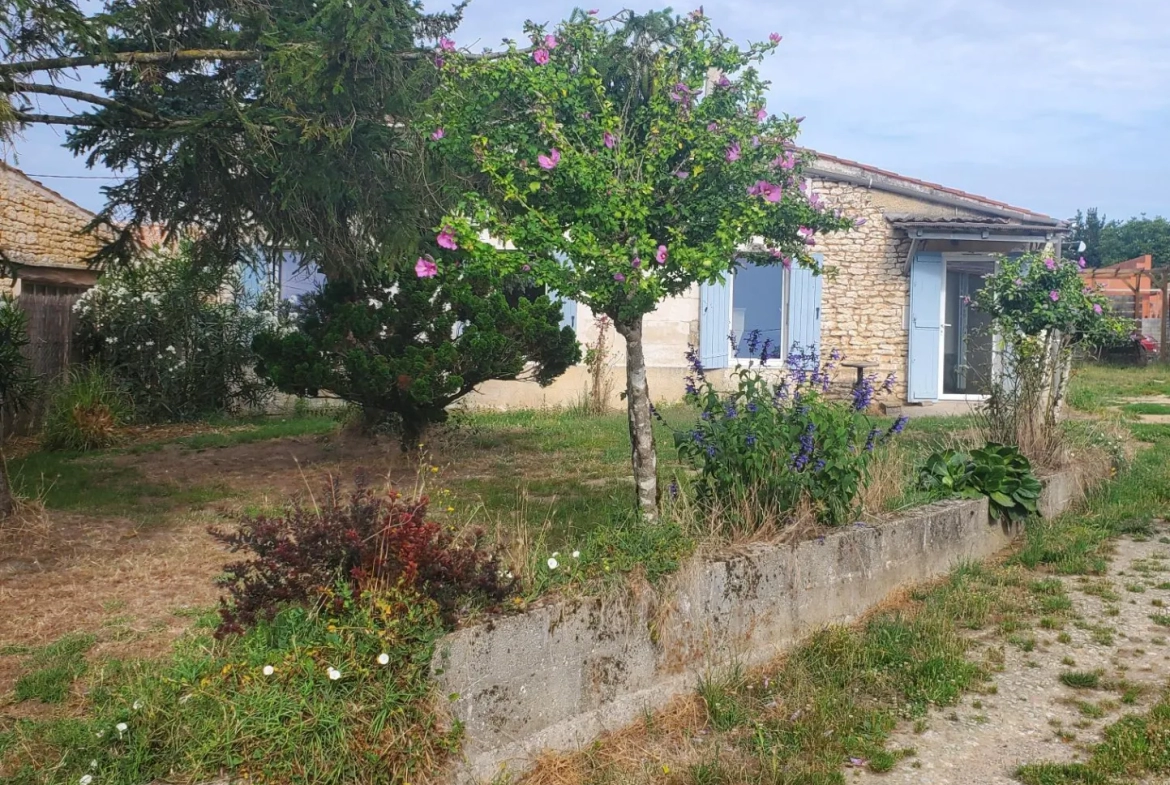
(559, 675)
(39, 226)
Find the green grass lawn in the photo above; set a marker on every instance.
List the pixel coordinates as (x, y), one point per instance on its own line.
(1096, 386)
(94, 483)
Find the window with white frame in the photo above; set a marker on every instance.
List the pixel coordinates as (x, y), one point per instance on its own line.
(757, 308)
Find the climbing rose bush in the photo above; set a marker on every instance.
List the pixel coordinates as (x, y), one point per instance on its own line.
(778, 440)
(176, 338)
(621, 162)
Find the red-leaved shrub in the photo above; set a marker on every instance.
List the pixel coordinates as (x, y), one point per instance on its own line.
(367, 539)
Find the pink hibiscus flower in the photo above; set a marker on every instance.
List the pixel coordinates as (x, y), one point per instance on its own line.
(1054, 295)
(1097, 308)
(425, 267)
(593, 11)
(550, 42)
(761, 114)
(1081, 262)
(608, 139)
(540, 56)
(438, 134)
(446, 44)
(619, 277)
(636, 262)
(660, 256)
(775, 38)
(786, 161)
(806, 234)
(733, 152)
(1050, 263)
(682, 175)
(549, 161)
(446, 239)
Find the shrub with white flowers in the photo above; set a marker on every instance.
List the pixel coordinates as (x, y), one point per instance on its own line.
(176, 337)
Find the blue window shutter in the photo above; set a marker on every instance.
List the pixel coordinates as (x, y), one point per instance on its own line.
(804, 306)
(714, 323)
(926, 286)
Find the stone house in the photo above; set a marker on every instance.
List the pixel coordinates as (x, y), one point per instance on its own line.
(893, 294)
(41, 237)
(43, 252)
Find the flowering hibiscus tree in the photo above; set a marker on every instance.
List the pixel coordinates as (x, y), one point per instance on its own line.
(625, 160)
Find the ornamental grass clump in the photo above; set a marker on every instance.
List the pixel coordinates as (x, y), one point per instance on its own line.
(779, 439)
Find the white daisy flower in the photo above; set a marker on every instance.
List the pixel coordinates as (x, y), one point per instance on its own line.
(334, 674)
(268, 670)
(552, 563)
(383, 659)
(576, 554)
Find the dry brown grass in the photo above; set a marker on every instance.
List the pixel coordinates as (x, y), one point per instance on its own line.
(654, 750)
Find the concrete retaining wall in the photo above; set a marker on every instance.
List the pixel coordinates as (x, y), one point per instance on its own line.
(559, 675)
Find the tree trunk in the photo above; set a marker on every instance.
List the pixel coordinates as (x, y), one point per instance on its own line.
(645, 458)
(7, 502)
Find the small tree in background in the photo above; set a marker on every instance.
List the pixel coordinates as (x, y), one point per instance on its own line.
(16, 382)
(405, 347)
(639, 149)
(1040, 309)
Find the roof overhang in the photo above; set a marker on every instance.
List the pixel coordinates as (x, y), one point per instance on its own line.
(1031, 235)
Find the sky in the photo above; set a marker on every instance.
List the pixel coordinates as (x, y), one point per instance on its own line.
(1052, 105)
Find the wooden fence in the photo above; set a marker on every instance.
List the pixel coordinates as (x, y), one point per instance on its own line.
(51, 348)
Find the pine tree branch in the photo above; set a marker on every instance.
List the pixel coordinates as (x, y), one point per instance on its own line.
(79, 61)
(77, 95)
(36, 118)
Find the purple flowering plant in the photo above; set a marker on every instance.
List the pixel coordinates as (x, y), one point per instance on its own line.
(783, 435)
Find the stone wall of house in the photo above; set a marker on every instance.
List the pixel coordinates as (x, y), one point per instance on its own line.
(41, 227)
(866, 293)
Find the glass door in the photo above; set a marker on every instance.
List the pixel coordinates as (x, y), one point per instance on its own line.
(967, 339)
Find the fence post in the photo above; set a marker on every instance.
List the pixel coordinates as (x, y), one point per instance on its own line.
(1163, 349)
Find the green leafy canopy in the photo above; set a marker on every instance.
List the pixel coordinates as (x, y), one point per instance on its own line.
(641, 152)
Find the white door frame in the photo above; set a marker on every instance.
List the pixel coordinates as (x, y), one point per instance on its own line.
(955, 256)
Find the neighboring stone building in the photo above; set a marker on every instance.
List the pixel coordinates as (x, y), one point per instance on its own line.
(41, 236)
(893, 294)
